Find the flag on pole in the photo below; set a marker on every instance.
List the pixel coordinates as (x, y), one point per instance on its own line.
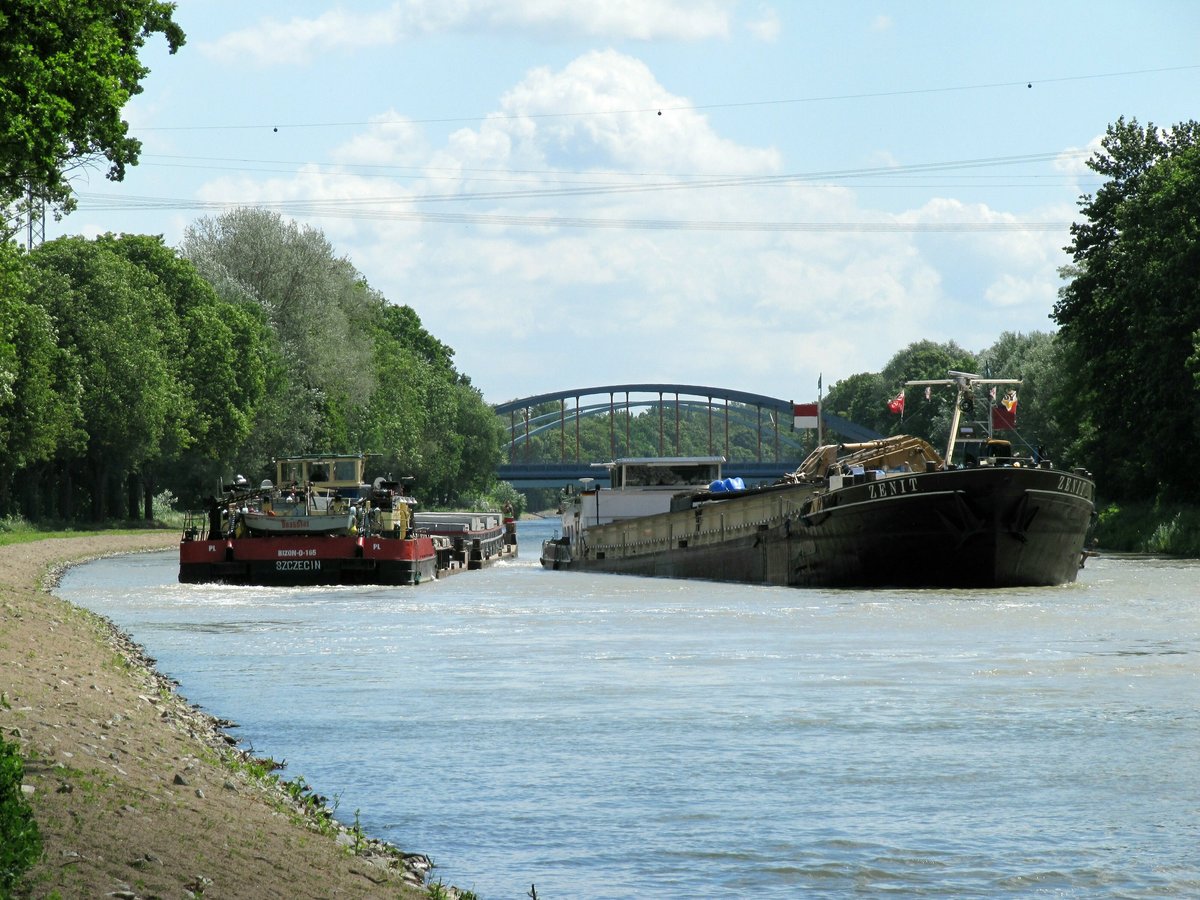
(1005, 415)
(896, 404)
(805, 415)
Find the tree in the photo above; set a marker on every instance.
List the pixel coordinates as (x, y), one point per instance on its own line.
(321, 313)
(219, 362)
(926, 360)
(119, 327)
(39, 400)
(67, 69)
(403, 324)
(1130, 315)
(350, 371)
(1035, 358)
(863, 398)
(483, 437)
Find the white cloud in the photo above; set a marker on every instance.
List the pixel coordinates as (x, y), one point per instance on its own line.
(392, 140)
(882, 22)
(766, 27)
(274, 42)
(1010, 290)
(1073, 160)
(621, 117)
(530, 308)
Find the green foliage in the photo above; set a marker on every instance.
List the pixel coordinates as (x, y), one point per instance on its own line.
(319, 313)
(67, 71)
(1140, 527)
(127, 369)
(1130, 316)
(118, 324)
(1045, 419)
(863, 398)
(356, 832)
(39, 406)
(20, 840)
(503, 494)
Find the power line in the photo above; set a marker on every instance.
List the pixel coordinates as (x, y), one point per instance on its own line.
(374, 211)
(474, 173)
(718, 181)
(656, 109)
(404, 207)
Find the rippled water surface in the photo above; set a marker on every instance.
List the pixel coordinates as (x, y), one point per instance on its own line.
(611, 737)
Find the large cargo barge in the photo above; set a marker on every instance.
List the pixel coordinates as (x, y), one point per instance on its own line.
(882, 513)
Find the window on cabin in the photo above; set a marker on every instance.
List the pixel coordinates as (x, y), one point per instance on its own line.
(291, 471)
(665, 476)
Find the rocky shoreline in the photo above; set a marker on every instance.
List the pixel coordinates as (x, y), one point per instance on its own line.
(139, 794)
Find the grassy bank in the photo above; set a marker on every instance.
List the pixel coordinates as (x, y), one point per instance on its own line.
(15, 530)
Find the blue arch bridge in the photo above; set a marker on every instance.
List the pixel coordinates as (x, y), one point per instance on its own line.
(779, 448)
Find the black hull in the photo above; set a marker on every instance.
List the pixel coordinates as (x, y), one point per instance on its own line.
(966, 528)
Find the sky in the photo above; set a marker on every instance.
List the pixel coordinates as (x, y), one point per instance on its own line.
(745, 194)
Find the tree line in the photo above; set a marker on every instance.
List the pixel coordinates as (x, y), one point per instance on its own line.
(129, 369)
(1117, 388)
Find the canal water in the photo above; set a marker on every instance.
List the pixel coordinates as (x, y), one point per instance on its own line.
(611, 737)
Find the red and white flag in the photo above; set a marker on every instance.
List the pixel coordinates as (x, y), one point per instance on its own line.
(896, 404)
(805, 415)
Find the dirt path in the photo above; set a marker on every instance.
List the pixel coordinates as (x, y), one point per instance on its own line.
(136, 793)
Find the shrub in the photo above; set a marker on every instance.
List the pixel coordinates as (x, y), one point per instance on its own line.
(20, 840)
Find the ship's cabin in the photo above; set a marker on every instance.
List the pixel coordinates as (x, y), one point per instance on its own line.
(978, 449)
(329, 472)
(640, 486)
(668, 473)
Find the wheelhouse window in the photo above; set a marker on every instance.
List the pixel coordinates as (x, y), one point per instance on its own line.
(698, 473)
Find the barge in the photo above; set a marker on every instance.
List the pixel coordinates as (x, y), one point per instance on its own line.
(471, 540)
(886, 513)
(318, 522)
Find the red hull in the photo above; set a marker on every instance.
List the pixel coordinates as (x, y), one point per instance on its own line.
(308, 559)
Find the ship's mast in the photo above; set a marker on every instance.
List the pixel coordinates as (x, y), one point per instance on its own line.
(963, 381)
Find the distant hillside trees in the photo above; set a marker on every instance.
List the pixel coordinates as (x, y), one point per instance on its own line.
(650, 430)
(1130, 316)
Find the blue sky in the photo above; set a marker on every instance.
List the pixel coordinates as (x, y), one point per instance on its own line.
(716, 192)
